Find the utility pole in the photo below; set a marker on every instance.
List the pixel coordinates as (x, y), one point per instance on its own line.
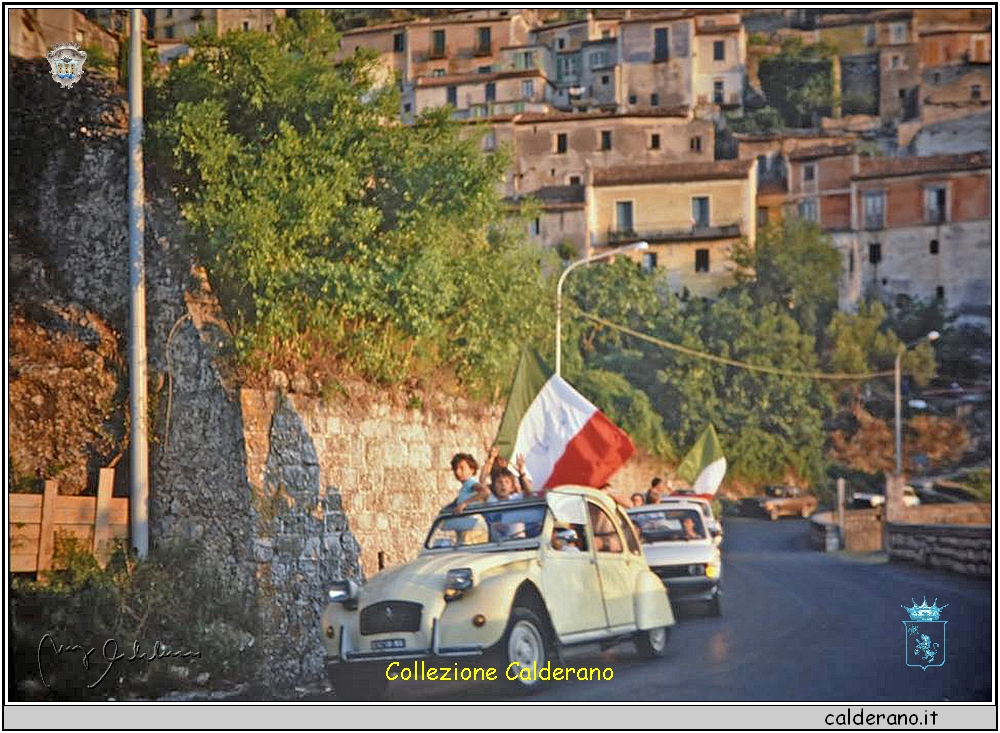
(139, 448)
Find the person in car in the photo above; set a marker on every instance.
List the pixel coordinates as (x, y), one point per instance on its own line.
(505, 488)
(606, 537)
(638, 499)
(691, 530)
(654, 494)
(464, 466)
(495, 463)
(565, 538)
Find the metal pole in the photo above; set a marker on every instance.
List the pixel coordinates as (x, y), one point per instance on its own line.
(562, 279)
(139, 449)
(899, 413)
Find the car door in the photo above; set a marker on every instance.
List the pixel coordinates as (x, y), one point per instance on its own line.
(569, 577)
(615, 567)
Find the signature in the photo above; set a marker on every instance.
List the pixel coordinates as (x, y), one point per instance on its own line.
(110, 655)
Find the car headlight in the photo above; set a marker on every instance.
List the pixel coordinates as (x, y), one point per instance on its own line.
(343, 591)
(696, 569)
(456, 582)
(712, 570)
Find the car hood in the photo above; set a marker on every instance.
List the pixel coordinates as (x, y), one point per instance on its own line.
(424, 576)
(679, 553)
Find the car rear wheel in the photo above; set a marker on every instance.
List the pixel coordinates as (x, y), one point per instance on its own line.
(358, 681)
(525, 647)
(652, 642)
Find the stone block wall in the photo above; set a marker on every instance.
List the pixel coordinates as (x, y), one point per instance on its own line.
(959, 549)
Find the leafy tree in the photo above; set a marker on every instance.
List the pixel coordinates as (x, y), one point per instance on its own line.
(337, 237)
(794, 266)
(798, 81)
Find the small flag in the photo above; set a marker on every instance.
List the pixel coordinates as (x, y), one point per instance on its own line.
(564, 438)
(704, 466)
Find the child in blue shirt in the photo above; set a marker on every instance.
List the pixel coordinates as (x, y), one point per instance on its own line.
(464, 467)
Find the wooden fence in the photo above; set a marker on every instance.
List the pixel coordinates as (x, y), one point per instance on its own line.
(36, 519)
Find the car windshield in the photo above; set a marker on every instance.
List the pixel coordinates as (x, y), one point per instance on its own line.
(485, 526)
(669, 525)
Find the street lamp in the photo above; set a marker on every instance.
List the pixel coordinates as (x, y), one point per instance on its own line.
(608, 253)
(932, 336)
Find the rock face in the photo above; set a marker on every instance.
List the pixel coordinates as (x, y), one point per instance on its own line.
(68, 229)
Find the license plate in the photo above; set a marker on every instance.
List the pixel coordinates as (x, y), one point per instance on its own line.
(380, 644)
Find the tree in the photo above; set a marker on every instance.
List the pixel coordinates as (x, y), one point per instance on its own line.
(794, 266)
(337, 237)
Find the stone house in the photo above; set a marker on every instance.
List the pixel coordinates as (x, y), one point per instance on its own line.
(690, 213)
(182, 23)
(33, 32)
(478, 95)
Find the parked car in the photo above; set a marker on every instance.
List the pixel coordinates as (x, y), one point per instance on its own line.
(713, 525)
(506, 583)
(680, 550)
(866, 499)
(780, 501)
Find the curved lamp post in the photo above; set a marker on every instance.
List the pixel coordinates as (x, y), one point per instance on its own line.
(608, 253)
(932, 336)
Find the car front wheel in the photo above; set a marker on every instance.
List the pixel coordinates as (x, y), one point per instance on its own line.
(652, 642)
(525, 647)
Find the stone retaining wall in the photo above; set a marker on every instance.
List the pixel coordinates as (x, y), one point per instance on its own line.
(965, 549)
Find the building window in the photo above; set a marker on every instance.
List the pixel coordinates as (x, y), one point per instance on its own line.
(267, 27)
(976, 91)
(648, 261)
(491, 91)
(718, 90)
(453, 96)
(895, 61)
(574, 180)
(407, 107)
(661, 45)
(761, 216)
(850, 262)
(654, 100)
(719, 50)
(605, 79)
(168, 32)
(561, 43)
(605, 139)
(897, 32)
(874, 253)
(701, 260)
(934, 247)
(623, 216)
(761, 166)
(526, 60)
(939, 292)
(700, 213)
(437, 46)
(169, 13)
(632, 99)
(535, 227)
(246, 25)
(484, 41)
(561, 142)
(874, 202)
(696, 144)
(598, 59)
(528, 88)
(808, 210)
(398, 42)
(654, 141)
(605, 34)
(936, 203)
(870, 35)
(808, 173)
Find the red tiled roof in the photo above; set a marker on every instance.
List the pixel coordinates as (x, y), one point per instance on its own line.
(821, 151)
(672, 172)
(908, 166)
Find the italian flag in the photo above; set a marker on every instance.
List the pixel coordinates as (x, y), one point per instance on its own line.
(704, 466)
(564, 438)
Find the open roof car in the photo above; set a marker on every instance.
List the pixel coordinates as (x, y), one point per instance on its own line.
(680, 550)
(506, 585)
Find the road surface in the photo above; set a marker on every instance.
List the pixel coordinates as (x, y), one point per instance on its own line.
(797, 625)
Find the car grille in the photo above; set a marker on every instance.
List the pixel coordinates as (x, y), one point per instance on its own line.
(390, 616)
(679, 571)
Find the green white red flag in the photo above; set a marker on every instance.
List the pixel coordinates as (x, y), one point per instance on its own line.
(564, 438)
(704, 466)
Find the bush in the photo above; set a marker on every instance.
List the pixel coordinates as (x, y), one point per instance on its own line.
(173, 600)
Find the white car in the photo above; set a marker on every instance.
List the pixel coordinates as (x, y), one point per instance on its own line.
(872, 499)
(714, 525)
(680, 550)
(505, 585)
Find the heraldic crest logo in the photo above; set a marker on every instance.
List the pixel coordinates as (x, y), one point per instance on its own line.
(66, 62)
(925, 635)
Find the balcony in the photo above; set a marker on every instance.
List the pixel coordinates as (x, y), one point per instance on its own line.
(483, 50)
(437, 53)
(666, 236)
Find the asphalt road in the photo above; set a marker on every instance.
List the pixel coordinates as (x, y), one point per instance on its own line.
(797, 625)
